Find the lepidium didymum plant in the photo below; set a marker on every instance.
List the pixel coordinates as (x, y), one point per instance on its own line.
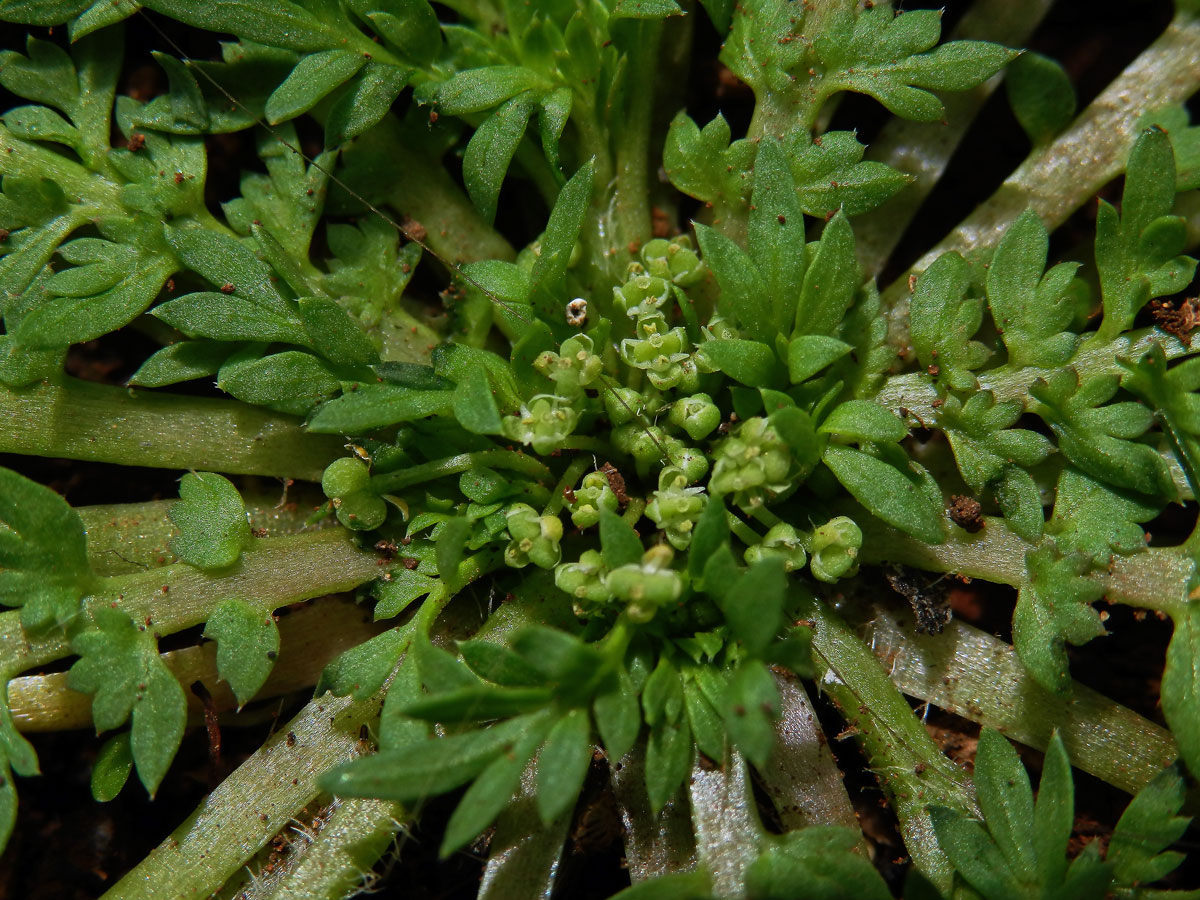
(689, 468)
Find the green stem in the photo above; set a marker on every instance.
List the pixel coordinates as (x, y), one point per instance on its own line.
(569, 477)
(338, 862)
(968, 672)
(256, 802)
(632, 197)
(1056, 179)
(911, 769)
(1156, 579)
(923, 149)
(81, 420)
(741, 530)
(454, 465)
(310, 638)
(916, 392)
(274, 573)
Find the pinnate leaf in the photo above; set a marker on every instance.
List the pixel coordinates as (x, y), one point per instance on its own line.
(119, 664)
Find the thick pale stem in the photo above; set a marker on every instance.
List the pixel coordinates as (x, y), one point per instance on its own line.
(802, 777)
(132, 537)
(1058, 178)
(524, 854)
(970, 673)
(310, 638)
(81, 420)
(653, 846)
(338, 862)
(923, 149)
(274, 573)
(1156, 579)
(726, 823)
(252, 805)
(910, 768)
(914, 394)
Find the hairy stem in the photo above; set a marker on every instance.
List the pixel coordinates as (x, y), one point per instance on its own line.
(1156, 579)
(81, 420)
(274, 573)
(252, 805)
(979, 677)
(1058, 178)
(338, 862)
(923, 149)
(910, 767)
(916, 392)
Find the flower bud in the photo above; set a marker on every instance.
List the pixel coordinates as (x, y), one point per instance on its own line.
(698, 415)
(646, 586)
(592, 496)
(835, 547)
(751, 463)
(346, 475)
(535, 538)
(673, 260)
(361, 510)
(584, 581)
(783, 542)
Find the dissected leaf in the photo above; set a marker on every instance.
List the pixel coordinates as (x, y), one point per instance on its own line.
(119, 664)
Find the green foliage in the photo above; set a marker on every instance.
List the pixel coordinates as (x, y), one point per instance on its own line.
(247, 646)
(43, 555)
(738, 429)
(1019, 849)
(120, 666)
(212, 523)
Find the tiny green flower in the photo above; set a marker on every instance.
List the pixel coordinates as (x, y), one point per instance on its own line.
(535, 538)
(587, 500)
(641, 295)
(675, 507)
(576, 366)
(698, 415)
(835, 547)
(657, 349)
(544, 424)
(646, 586)
(782, 541)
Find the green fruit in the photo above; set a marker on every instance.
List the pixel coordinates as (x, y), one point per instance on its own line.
(361, 510)
(345, 476)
